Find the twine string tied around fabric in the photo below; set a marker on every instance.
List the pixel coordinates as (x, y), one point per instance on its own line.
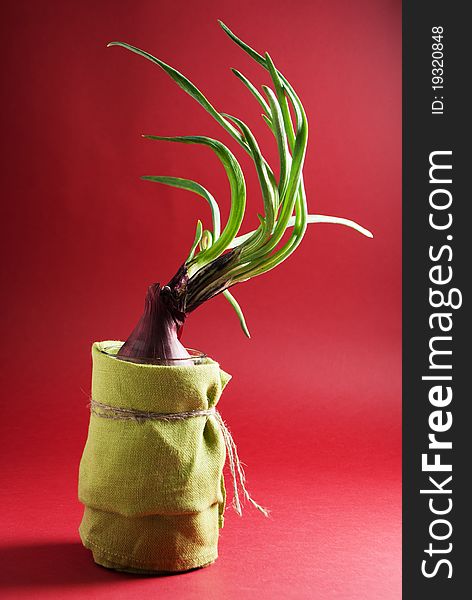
(238, 475)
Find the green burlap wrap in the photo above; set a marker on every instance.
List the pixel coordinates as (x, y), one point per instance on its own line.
(153, 490)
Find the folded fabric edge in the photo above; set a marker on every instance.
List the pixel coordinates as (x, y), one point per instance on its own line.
(127, 564)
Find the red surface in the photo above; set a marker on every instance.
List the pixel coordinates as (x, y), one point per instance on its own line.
(315, 400)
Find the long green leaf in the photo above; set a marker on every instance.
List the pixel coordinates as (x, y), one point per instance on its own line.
(252, 53)
(291, 195)
(192, 186)
(268, 193)
(282, 99)
(183, 83)
(238, 310)
(257, 95)
(188, 87)
(281, 138)
(310, 219)
(238, 192)
(198, 237)
(264, 63)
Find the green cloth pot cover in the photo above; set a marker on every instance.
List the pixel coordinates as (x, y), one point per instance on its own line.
(153, 490)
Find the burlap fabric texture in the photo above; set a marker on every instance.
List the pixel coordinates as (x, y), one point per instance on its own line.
(153, 490)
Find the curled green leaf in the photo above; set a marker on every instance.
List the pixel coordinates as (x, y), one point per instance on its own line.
(257, 95)
(238, 193)
(238, 310)
(192, 186)
(198, 237)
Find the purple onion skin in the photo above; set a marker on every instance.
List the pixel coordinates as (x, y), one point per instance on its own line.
(156, 336)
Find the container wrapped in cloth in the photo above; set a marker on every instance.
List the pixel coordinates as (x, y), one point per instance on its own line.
(153, 489)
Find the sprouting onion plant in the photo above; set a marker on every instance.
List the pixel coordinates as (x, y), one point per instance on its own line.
(221, 257)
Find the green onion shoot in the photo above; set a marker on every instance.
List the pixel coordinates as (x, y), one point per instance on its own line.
(221, 256)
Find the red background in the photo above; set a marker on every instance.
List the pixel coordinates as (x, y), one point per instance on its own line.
(314, 404)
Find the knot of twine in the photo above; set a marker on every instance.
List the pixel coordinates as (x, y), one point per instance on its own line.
(238, 476)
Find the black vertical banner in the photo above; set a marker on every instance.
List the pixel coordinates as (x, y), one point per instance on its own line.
(437, 256)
